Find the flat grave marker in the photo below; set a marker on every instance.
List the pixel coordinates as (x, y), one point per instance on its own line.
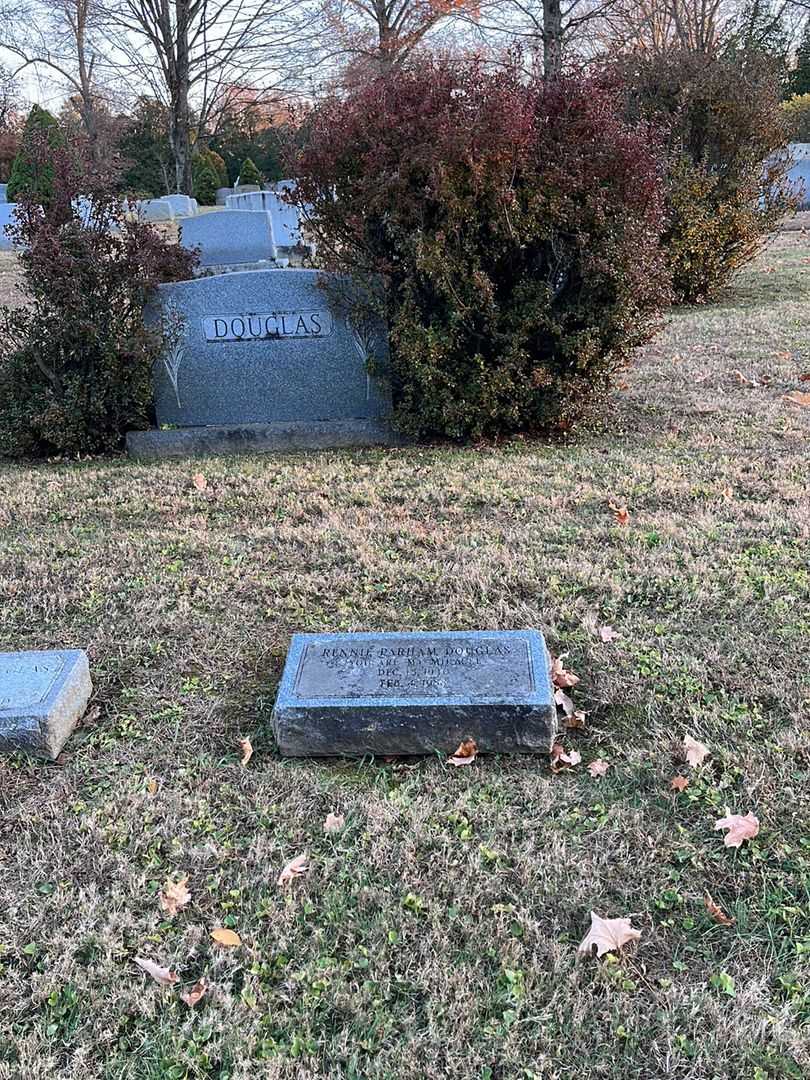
(415, 693)
(43, 695)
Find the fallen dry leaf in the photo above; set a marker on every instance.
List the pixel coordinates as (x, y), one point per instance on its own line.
(226, 937)
(560, 677)
(744, 379)
(562, 759)
(576, 720)
(798, 397)
(695, 751)
(740, 827)
(564, 701)
(598, 767)
(160, 974)
(294, 868)
(717, 912)
(151, 786)
(465, 754)
(174, 896)
(608, 634)
(679, 783)
(333, 823)
(805, 376)
(246, 746)
(620, 513)
(199, 481)
(607, 935)
(192, 996)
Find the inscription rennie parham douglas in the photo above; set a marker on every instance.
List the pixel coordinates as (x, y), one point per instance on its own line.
(448, 667)
(267, 326)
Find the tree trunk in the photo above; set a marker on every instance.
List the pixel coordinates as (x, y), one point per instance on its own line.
(180, 120)
(552, 40)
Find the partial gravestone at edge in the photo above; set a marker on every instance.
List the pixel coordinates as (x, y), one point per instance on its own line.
(415, 693)
(43, 696)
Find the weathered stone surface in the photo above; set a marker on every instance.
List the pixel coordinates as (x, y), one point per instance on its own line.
(3, 189)
(222, 195)
(260, 438)
(230, 237)
(183, 205)
(6, 218)
(415, 693)
(799, 173)
(154, 210)
(285, 218)
(263, 346)
(43, 695)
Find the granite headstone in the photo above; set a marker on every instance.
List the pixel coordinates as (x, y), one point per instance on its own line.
(230, 237)
(262, 346)
(183, 205)
(43, 695)
(415, 693)
(3, 190)
(154, 210)
(6, 219)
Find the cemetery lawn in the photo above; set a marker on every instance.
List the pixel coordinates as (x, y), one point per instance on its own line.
(435, 935)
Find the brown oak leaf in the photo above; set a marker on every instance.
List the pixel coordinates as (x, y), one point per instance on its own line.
(576, 720)
(294, 868)
(195, 994)
(608, 634)
(798, 397)
(562, 759)
(334, 823)
(560, 677)
(679, 783)
(160, 974)
(564, 702)
(598, 767)
(465, 753)
(620, 513)
(740, 827)
(174, 896)
(199, 481)
(695, 751)
(246, 746)
(607, 935)
(717, 912)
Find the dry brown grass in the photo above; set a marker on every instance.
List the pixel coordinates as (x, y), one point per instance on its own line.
(436, 935)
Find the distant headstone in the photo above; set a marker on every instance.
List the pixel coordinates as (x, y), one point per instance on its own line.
(3, 189)
(6, 218)
(183, 205)
(241, 188)
(799, 173)
(259, 346)
(415, 693)
(155, 210)
(285, 218)
(43, 695)
(222, 195)
(230, 237)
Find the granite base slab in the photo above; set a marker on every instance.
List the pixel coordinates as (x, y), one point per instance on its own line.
(43, 695)
(415, 693)
(276, 437)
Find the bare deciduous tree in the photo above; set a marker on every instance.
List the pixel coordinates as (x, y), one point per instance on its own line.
(192, 53)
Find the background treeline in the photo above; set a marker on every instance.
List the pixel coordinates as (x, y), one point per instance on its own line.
(157, 85)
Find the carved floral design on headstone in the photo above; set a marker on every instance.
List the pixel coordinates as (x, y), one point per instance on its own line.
(174, 326)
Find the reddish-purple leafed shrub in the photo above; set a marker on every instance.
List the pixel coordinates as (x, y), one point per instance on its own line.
(513, 229)
(76, 360)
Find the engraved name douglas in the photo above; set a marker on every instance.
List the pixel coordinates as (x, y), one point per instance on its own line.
(267, 325)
